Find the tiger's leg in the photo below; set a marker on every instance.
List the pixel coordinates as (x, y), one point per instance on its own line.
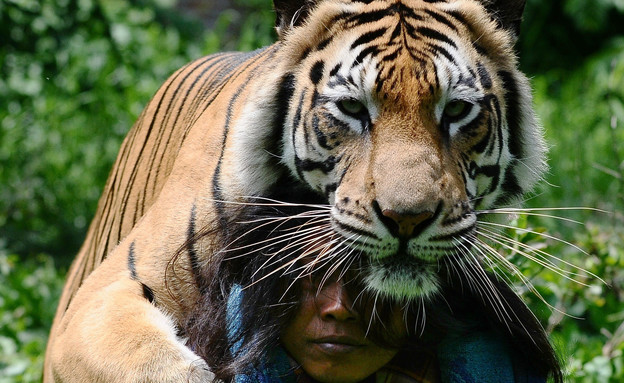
(113, 333)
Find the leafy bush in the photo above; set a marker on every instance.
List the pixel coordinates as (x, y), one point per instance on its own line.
(29, 292)
(75, 75)
(583, 112)
(582, 109)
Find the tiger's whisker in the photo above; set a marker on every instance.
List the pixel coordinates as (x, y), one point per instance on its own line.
(508, 212)
(326, 255)
(503, 270)
(541, 257)
(308, 268)
(515, 271)
(335, 267)
(523, 230)
(276, 240)
(373, 314)
(272, 202)
(502, 302)
(536, 212)
(286, 233)
(303, 239)
(302, 215)
(451, 264)
(307, 251)
(499, 262)
(542, 261)
(287, 265)
(341, 258)
(348, 266)
(308, 246)
(564, 208)
(487, 288)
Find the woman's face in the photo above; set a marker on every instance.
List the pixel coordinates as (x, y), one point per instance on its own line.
(327, 337)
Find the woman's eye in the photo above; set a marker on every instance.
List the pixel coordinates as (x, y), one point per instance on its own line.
(352, 107)
(457, 109)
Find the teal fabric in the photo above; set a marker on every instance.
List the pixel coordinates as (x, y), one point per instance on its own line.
(475, 358)
(481, 357)
(276, 369)
(472, 357)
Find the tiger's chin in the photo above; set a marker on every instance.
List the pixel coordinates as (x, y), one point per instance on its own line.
(403, 280)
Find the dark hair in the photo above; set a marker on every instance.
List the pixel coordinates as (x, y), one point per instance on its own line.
(270, 299)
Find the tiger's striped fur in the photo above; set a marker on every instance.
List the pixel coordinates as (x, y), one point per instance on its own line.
(404, 116)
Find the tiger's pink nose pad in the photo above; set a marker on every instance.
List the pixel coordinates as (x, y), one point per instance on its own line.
(406, 225)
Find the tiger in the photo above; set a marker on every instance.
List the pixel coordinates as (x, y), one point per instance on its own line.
(372, 135)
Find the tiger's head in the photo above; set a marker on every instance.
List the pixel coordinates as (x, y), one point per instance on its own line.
(409, 117)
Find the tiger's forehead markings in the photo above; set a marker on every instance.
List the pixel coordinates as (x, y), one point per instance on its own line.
(374, 11)
(408, 32)
(368, 37)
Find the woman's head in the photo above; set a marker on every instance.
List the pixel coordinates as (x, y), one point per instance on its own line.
(327, 335)
(329, 329)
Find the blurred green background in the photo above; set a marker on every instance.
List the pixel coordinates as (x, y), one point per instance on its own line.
(74, 75)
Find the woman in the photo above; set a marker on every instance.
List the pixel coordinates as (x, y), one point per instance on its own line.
(322, 327)
(326, 341)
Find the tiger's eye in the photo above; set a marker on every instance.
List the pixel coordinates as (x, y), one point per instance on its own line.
(351, 106)
(456, 109)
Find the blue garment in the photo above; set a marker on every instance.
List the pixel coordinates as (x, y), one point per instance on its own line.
(480, 357)
(276, 369)
(475, 357)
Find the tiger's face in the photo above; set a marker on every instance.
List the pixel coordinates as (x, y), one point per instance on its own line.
(410, 117)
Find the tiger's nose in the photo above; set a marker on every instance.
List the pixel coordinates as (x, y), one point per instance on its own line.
(406, 225)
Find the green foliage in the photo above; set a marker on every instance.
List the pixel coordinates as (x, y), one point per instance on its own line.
(28, 294)
(563, 33)
(601, 331)
(574, 287)
(579, 95)
(247, 26)
(74, 75)
(583, 109)
(580, 297)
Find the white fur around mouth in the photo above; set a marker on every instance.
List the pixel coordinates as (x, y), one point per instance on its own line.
(403, 277)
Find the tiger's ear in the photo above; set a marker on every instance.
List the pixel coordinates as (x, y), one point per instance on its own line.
(291, 13)
(508, 13)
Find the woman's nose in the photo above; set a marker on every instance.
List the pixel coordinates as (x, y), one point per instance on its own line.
(334, 303)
